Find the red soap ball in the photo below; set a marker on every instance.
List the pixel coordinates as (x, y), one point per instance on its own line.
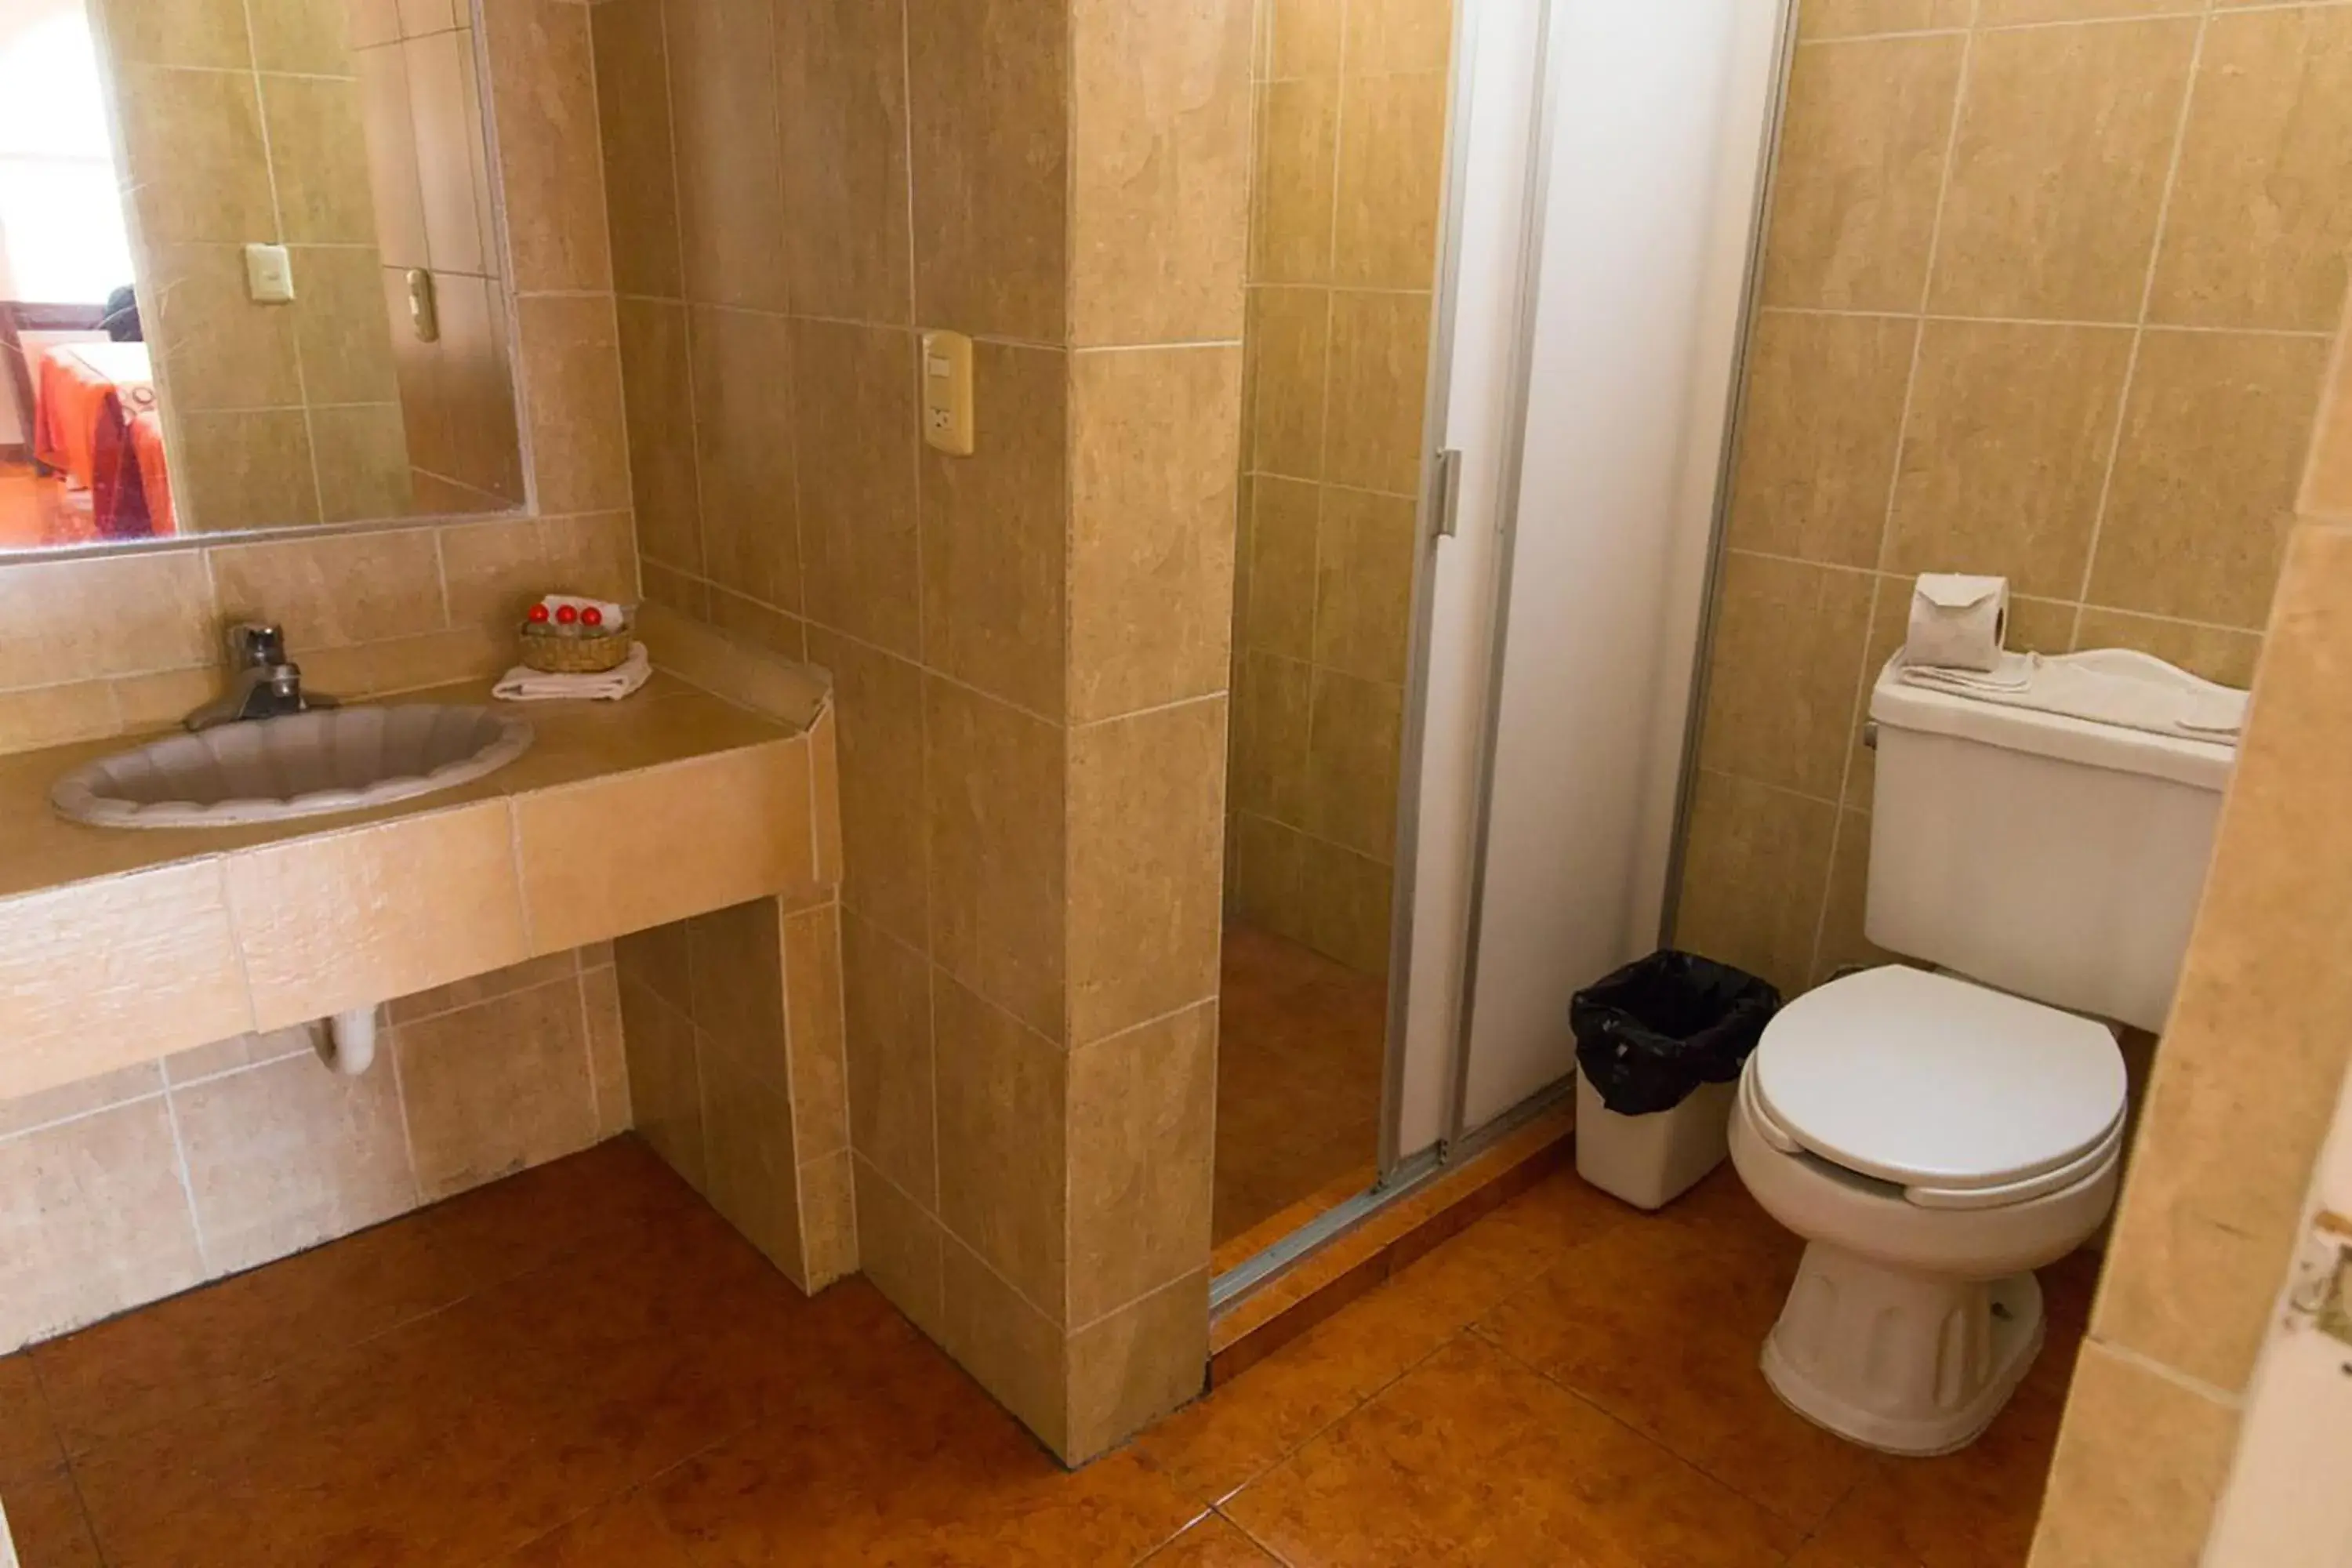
(566, 616)
(592, 617)
(539, 614)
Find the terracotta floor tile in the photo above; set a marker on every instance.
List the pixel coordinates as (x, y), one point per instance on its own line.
(27, 1442)
(1473, 1459)
(145, 1367)
(1661, 1325)
(46, 1518)
(1213, 1542)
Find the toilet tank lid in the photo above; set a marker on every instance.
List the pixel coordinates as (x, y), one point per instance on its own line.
(1925, 1079)
(1897, 704)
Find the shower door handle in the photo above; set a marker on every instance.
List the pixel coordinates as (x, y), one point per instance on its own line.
(1445, 492)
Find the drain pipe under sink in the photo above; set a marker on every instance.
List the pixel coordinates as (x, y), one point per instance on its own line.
(346, 1042)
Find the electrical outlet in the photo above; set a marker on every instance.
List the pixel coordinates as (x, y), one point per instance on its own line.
(946, 393)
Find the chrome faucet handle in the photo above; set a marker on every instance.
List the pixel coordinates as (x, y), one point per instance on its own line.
(257, 645)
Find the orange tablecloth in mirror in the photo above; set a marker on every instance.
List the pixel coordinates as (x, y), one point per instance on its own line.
(96, 421)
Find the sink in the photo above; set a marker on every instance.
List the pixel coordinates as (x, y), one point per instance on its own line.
(305, 765)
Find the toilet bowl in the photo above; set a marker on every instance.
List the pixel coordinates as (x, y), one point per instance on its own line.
(1933, 1142)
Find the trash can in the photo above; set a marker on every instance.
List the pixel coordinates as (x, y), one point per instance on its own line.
(1659, 1045)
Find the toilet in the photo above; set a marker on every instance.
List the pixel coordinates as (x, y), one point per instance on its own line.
(1938, 1129)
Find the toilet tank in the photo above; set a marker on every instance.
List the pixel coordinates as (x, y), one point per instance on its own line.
(2043, 855)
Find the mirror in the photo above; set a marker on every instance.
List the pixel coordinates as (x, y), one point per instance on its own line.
(250, 269)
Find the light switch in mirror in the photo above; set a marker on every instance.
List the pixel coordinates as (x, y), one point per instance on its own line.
(251, 272)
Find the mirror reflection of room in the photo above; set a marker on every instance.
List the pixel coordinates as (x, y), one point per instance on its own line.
(249, 272)
(1350, 138)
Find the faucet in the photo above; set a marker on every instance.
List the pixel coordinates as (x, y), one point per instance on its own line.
(263, 682)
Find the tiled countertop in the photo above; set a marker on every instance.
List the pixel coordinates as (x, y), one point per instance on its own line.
(121, 945)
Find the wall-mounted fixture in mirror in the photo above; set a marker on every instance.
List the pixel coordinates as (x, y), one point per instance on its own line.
(250, 271)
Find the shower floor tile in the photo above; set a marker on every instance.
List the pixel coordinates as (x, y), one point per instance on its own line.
(584, 1367)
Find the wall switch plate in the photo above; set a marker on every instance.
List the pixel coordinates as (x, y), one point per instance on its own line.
(269, 274)
(946, 393)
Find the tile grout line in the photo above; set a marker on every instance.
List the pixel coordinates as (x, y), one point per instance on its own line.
(2141, 326)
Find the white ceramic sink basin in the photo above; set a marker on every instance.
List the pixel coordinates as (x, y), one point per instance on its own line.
(306, 764)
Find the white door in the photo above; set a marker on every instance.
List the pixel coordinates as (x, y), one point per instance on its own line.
(2288, 1505)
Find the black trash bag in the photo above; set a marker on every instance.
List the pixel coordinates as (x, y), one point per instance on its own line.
(1657, 1029)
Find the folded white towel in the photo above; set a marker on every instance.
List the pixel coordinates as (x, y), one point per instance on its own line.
(524, 684)
(2105, 686)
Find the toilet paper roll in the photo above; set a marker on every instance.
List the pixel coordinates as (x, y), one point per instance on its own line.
(1957, 621)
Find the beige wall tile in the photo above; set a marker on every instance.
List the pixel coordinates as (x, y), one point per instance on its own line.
(1297, 145)
(997, 848)
(1787, 664)
(1755, 873)
(1002, 1127)
(2022, 504)
(543, 93)
(1146, 841)
(1849, 18)
(1380, 379)
(1399, 34)
(2204, 485)
(204, 32)
(1861, 163)
(347, 919)
(452, 153)
(995, 533)
(2058, 170)
(94, 1219)
(285, 1156)
(845, 108)
(1844, 945)
(724, 105)
(388, 109)
(753, 1179)
(244, 470)
(1160, 109)
(1267, 864)
(2261, 207)
(1363, 585)
(820, 1081)
(887, 1030)
(1286, 519)
(665, 1078)
(213, 347)
(361, 451)
(318, 160)
(2007, 13)
(496, 1088)
(408, 664)
(828, 1220)
(825, 792)
(2327, 480)
(1270, 737)
(339, 326)
(44, 716)
(1304, 38)
(335, 591)
(1351, 763)
(1288, 345)
(1152, 443)
(1134, 1367)
(83, 1096)
(737, 963)
(1343, 905)
(571, 402)
(878, 704)
(1391, 165)
(639, 850)
(853, 411)
(898, 1248)
(640, 171)
(64, 620)
(193, 149)
(495, 570)
(661, 959)
(2213, 652)
(1142, 1105)
(608, 1062)
(1819, 431)
(2140, 1461)
(991, 162)
(2211, 1210)
(658, 397)
(754, 624)
(1016, 1352)
(71, 1007)
(743, 447)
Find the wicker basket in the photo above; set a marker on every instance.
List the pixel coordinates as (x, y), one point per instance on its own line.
(574, 650)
